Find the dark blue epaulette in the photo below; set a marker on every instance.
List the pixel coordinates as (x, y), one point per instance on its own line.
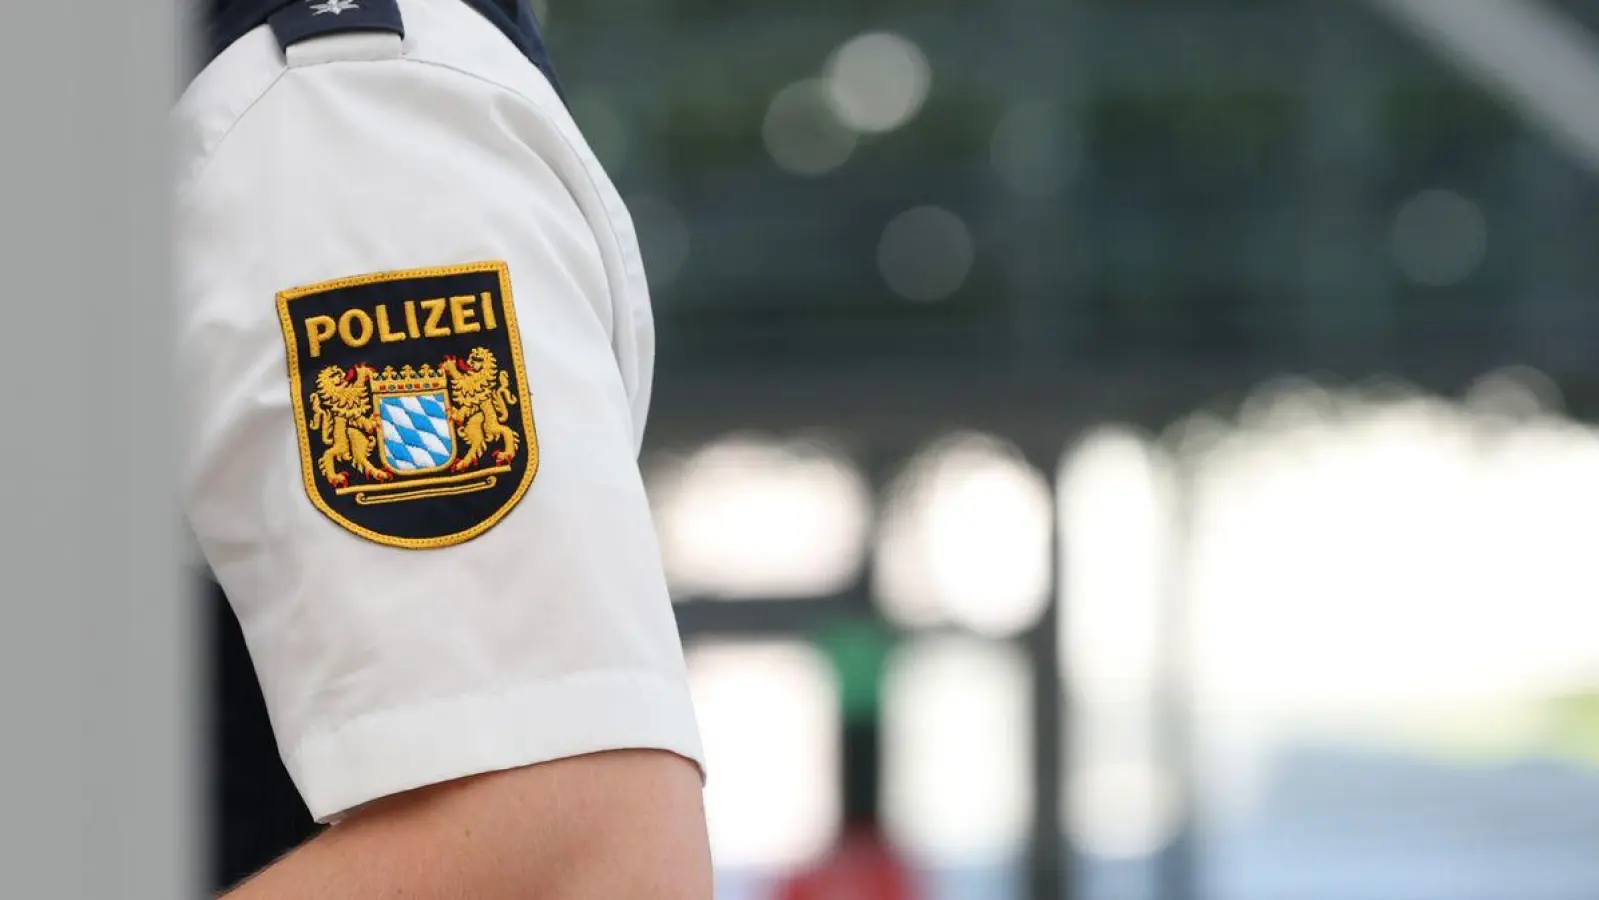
(306, 19)
(297, 20)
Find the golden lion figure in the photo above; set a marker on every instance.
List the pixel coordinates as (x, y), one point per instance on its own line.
(342, 409)
(482, 397)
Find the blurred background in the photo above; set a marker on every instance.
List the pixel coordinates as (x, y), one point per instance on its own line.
(1124, 450)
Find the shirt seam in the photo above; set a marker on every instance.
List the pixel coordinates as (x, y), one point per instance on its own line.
(204, 165)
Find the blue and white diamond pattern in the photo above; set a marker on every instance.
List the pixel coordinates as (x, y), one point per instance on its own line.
(416, 432)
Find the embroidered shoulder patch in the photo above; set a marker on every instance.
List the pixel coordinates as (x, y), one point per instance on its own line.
(411, 402)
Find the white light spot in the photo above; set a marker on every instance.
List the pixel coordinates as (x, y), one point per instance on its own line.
(877, 82)
(966, 539)
(1033, 151)
(957, 750)
(1398, 554)
(768, 717)
(663, 237)
(1121, 809)
(1439, 238)
(1115, 535)
(1515, 393)
(761, 519)
(801, 132)
(925, 254)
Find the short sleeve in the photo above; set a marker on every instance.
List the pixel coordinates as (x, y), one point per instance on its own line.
(411, 420)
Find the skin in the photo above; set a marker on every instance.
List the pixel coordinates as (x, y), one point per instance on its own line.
(620, 824)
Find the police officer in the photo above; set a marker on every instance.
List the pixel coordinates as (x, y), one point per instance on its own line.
(416, 352)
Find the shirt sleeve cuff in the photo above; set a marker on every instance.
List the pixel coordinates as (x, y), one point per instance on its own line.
(390, 752)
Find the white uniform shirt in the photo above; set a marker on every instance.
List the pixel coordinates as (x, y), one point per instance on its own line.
(412, 622)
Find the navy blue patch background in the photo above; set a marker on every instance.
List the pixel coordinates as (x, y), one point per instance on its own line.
(431, 518)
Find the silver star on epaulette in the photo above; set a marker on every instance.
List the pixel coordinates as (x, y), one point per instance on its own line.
(334, 7)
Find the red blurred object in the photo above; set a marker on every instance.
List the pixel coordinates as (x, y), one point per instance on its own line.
(864, 866)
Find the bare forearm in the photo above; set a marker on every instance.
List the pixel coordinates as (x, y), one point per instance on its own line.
(590, 828)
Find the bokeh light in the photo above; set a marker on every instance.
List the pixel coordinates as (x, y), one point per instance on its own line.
(1401, 551)
(1034, 150)
(1117, 514)
(802, 133)
(768, 716)
(1116, 520)
(752, 519)
(1121, 807)
(877, 82)
(926, 253)
(965, 538)
(1439, 238)
(958, 778)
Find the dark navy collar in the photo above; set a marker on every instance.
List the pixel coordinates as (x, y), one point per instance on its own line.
(229, 20)
(515, 19)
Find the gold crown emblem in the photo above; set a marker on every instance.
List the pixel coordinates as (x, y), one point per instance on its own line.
(409, 380)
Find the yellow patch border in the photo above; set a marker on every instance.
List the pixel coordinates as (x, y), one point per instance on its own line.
(308, 467)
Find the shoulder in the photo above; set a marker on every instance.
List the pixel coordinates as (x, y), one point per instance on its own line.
(261, 44)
